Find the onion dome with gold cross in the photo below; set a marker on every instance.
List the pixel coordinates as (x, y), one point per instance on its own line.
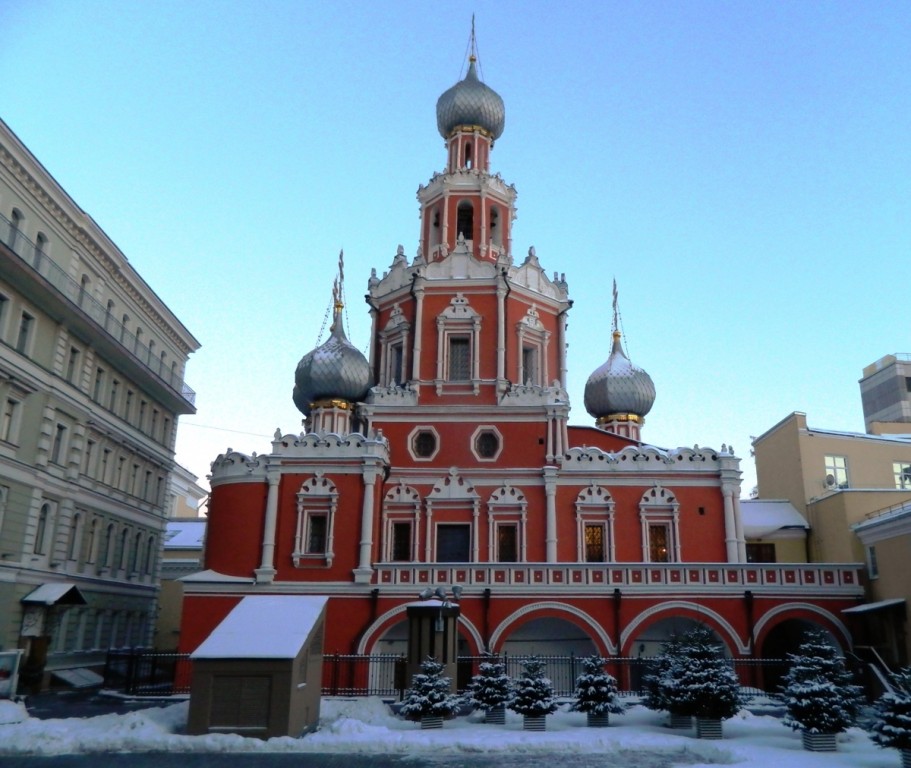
(471, 104)
(619, 390)
(334, 371)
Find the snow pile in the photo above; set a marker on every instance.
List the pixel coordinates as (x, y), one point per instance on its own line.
(368, 726)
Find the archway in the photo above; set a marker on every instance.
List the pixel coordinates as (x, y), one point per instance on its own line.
(782, 639)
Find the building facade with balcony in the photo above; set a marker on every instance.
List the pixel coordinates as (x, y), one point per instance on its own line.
(91, 387)
(446, 457)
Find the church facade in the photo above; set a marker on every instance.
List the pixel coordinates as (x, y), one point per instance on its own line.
(446, 458)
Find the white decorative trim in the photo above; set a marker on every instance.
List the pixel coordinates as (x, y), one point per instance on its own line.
(595, 505)
(760, 625)
(368, 640)
(696, 608)
(595, 626)
(481, 429)
(413, 435)
(507, 505)
(317, 496)
(659, 506)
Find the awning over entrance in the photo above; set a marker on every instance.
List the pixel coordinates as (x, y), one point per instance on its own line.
(878, 606)
(60, 593)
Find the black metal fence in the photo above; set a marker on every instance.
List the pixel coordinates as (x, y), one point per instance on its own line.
(147, 673)
(144, 673)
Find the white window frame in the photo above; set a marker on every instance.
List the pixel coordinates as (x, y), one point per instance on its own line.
(402, 504)
(531, 334)
(507, 506)
(901, 471)
(393, 335)
(659, 506)
(837, 466)
(413, 435)
(476, 435)
(458, 320)
(595, 505)
(317, 496)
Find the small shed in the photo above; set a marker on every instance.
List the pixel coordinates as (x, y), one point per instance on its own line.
(260, 671)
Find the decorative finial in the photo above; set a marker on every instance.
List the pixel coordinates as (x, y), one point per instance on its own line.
(473, 50)
(615, 323)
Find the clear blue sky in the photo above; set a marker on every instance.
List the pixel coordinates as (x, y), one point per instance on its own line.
(742, 169)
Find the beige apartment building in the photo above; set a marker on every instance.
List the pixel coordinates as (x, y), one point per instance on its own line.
(854, 490)
(91, 388)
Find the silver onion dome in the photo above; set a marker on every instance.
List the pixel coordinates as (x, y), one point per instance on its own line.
(619, 387)
(470, 102)
(334, 370)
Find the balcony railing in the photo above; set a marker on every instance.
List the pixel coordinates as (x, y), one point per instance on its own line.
(33, 256)
(627, 576)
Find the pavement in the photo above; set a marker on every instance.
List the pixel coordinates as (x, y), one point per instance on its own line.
(89, 703)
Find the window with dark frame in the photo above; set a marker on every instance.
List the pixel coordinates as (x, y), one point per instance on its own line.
(658, 543)
(760, 552)
(401, 542)
(459, 358)
(507, 543)
(316, 534)
(487, 444)
(424, 444)
(594, 543)
(453, 543)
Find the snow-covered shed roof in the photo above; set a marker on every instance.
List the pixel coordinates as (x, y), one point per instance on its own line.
(185, 534)
(764, 517)
(264, 627)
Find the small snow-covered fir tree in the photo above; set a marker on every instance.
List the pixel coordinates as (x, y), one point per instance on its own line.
(892, 727)
(534, 693)
(596, 690)
(429, 695)
(701, 682)
(491, 687)
(819, 694)
(659, 675)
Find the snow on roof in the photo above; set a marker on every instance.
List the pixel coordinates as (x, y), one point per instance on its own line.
(763, 517)
(877, 606)
(264, 627)
(50, 594)
(185, 534)
(214, 577)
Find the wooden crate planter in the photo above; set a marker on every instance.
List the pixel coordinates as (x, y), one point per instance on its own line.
(708, 728)
(598, 721)
(495, 715)
(681, 721)
(534, 722)
(819, 742)
(431, 722)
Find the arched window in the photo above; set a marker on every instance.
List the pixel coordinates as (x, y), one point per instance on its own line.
(83, 286)
(465, 220)
(149, 556)
(40, 249)
(41, 529)
(124, 322)
(108, 314)
(123, 549)
(134, 553)
(496, 231)
(137, 343)
(15, 225)
(469, 161)
(75, 537)
(107, 552)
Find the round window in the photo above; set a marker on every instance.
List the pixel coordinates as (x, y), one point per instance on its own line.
(425, 444)
(487, 444)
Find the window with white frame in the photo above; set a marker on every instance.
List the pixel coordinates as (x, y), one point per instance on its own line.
(393, 346)
(401, 516)
(59, 446)
(9, 420)
(453, 543)
(836, 472)
(24, 336)
(507, 516)
(659, 517)
(43, 529)
(595, 525)
(533, 341)
(872, 565)
(75, 541)
(317, 500)
(458, 335)
(901, 470)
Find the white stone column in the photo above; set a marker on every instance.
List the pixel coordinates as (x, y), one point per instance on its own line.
(561, 348)
(418, 327)
(730, 526)
(501, 334)
(550, 490)
(364, 570)
(265, 574)
(738, 528)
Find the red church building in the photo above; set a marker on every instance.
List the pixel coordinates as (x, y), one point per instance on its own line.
(446, 458)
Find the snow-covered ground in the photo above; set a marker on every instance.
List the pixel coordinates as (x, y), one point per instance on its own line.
(368, 726)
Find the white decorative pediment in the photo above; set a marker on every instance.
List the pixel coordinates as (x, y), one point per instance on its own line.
(524, 394)
(507, 495)
(317, 486)
(459, 263)
(397, 319)
(530, 275)
(452, 488)
(658, 497)
(594, 495)
(402, 494)
(233, 464)
(393, 395)
(458, 309)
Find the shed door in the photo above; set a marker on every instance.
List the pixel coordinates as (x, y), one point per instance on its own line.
(240, 702)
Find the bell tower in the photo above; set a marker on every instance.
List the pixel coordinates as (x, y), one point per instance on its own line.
(466, 203)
